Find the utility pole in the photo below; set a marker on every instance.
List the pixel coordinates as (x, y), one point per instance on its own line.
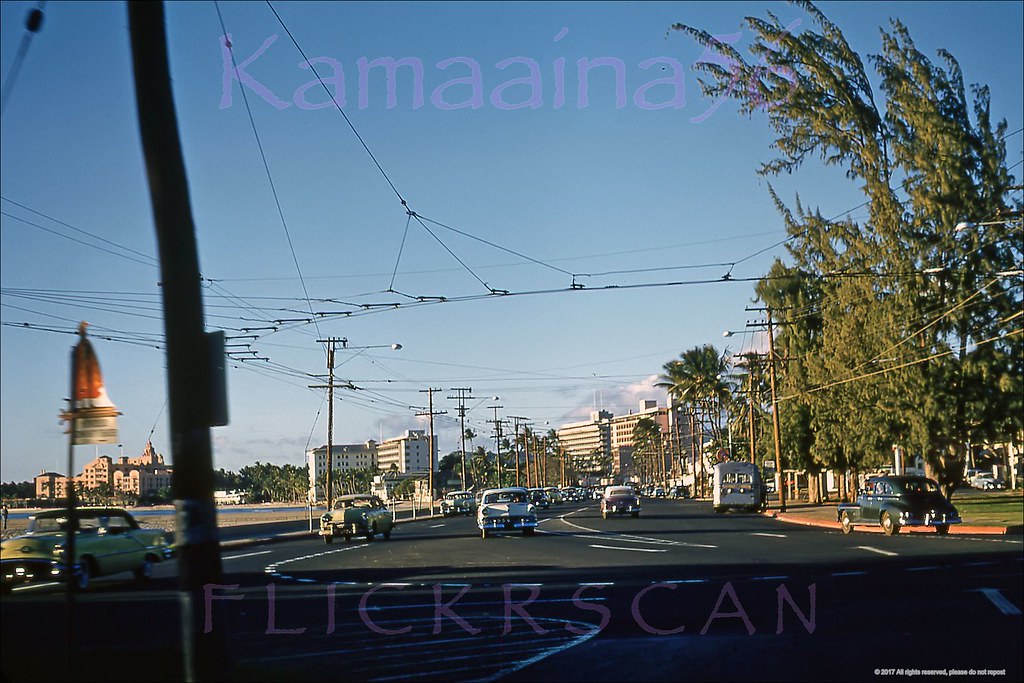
(775, 414)
(331, 342)
(497, 442)
(433, 448)
(518, 422)
(779, 465)
(462, 396)
(191, 355)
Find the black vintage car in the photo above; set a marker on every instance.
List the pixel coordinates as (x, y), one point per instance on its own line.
(896, 502)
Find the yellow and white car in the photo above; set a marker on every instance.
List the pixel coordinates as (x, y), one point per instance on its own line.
(107, 541)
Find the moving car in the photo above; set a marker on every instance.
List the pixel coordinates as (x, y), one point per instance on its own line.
(737, 485)
(539, 498)
(554, 495)
(458, 503)
(506, 509)
(893, 502)
(619, 500)
(107, 541)
(361, 514)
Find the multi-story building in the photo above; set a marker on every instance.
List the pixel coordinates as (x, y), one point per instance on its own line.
(144, 474)
(621, 428)
(343, 457)
(588, 445)
(409, 453)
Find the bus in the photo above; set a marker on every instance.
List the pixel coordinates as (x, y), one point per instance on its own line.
(738, 485)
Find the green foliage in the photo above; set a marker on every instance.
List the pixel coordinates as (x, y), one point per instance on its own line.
(907, 329)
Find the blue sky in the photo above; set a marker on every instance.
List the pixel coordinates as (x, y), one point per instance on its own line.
(627, 196)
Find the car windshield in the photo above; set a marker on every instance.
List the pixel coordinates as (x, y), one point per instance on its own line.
(620, 491)
(355, 503)
(505, 497)
(920, 486)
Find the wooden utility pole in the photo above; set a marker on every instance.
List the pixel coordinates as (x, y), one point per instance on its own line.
(461, 397)
(779, 465)
(331, 342)
(433, 447)
(497, 442)
(518, 421)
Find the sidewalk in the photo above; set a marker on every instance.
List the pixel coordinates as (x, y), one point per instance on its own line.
(825, 516)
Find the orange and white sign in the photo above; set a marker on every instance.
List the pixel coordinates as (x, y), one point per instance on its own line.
(93, 415)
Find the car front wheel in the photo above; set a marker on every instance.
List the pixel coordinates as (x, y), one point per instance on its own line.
(889, 525)
(84, 575)
(846, 523)
(145, 570)
(942, 529)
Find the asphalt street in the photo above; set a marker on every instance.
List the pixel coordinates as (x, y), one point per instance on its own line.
(679, 593)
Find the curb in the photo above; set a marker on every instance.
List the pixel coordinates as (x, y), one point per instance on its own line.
(956, 529)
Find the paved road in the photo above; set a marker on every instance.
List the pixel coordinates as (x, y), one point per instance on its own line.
(677, 594)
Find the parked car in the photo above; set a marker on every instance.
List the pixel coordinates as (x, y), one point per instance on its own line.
(107, 541)
(987, 481)
(619, 500)
(362, 514)
(659, 492)
(895, 502)
(506, 509)
(458, 503)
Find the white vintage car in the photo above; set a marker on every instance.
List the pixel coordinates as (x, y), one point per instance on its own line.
(506, 509)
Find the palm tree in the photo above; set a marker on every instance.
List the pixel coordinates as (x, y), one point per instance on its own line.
(646, 445)
(699, 378)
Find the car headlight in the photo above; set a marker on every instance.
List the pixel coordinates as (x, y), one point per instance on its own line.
(325, 518)
(530, 509)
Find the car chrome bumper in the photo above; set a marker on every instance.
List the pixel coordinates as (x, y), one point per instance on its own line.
(929, 520)
(499, 523)
(28, 570)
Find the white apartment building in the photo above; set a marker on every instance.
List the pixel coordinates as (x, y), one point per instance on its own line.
(410, 453)
(587, 442)
(344, 457)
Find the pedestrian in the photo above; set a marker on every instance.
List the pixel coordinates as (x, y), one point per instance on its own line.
(3, 513)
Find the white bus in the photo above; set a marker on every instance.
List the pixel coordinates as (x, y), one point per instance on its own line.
(738, 485)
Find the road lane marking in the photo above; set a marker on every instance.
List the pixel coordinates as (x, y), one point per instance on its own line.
(848, 573)
(1001, 602)
(235, 557)
(436, 526)
(877, 550)
(637, 550)
(629, 538)
(759, 533)
(32, 586)
(921, 569)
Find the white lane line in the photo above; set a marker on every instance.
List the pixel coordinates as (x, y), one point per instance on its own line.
(768, 578)
(848, 573)
(628, 538)
(877, 550)
(1000, 601)
(758, 533)
(636, 550)
(921, 569)
(235, 557)
(436, 526)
